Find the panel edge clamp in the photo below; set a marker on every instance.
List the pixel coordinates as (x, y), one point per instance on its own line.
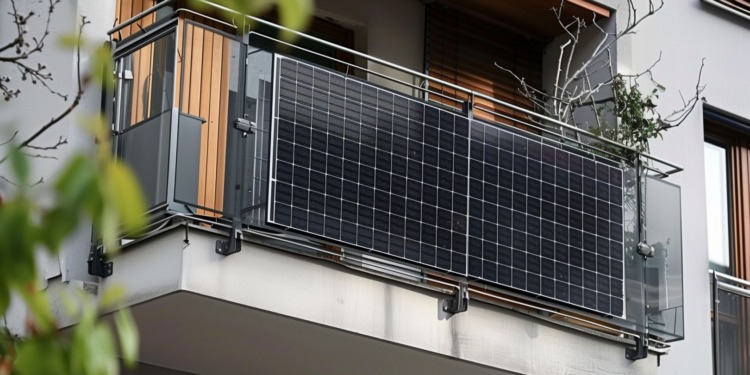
(234, 243)
(245, 126)
(460, 301)
(646, 250)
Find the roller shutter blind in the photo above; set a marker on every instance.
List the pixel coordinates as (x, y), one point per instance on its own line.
(463, 50)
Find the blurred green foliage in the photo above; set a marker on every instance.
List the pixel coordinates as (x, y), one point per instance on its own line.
(89, 189)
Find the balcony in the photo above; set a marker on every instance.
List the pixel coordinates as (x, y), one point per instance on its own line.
(729, 305)
(243, 138)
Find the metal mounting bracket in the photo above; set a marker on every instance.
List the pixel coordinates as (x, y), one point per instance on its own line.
(245, 126)
(234, 243)
(97, 265)
(640, 351)
(460, 301)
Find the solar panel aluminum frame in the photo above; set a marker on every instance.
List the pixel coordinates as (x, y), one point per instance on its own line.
(274, 163)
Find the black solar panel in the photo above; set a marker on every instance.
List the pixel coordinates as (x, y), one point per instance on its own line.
(366, 167)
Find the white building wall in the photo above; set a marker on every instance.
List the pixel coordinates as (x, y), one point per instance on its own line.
(392, 30)
(36, 106)
(685, 32)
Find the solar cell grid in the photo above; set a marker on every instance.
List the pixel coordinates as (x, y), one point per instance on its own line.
(361, 165)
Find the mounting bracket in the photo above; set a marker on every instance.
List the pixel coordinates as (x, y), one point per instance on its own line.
(234, 243)
(97, 265)
(245, 126)
(640, 351)
(460, 301)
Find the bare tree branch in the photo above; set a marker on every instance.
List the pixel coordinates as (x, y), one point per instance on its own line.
(23, 47)
(60, 141)
(581, 86)
(12, 137)
(72, 106)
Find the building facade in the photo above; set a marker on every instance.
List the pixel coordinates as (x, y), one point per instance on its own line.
(376, 196)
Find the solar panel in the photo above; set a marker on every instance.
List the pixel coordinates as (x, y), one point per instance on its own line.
(358, 164)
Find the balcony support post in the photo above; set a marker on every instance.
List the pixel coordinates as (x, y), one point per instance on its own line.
(715, 307)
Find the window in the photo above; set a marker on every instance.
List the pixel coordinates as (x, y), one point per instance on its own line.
(463, 49)
(727, 168)
(727, 173)
(314, 52)
(717, 205)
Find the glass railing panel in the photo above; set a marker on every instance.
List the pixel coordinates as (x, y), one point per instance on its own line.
(633, 260)
(187, 163)
(145, 148)
(731, 328)
(259, 91)
(663, 271)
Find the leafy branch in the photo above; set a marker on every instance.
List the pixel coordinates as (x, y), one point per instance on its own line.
(574, 86)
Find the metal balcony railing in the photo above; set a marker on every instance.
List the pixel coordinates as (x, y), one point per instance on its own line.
(195, 121)
(730, 306)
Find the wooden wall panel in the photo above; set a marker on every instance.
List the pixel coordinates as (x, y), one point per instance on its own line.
(126, 9)
(740, 180)
(205, 93)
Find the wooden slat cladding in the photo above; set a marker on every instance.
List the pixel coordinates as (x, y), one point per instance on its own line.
(738, 5)
(126, 9)
(740, 182)
(463, 50)
(205, 93)
(737, 145)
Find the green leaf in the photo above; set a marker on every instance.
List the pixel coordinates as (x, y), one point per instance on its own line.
(18, 240)
(128, 333)
(20, 165)
(112, 296)
(75, 180)
(58, 223)
(69, 304)
(4, 298)
(127, 196)
(39, 304)
(69, 40)
(294, 14)
(40, 355)
(101, 352)
(103, 67)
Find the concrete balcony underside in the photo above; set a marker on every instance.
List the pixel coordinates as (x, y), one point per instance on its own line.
(267, 311)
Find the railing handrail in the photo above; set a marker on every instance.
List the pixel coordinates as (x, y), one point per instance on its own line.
(731, 278)
(140, 15)
(727, 287)
(471, 94)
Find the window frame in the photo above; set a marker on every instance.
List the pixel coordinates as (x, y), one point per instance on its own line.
(723, 143)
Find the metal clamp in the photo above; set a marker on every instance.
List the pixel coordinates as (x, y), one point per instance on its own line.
(245, 126)
(640, 351)
(645, 249)
(460, 301)
(97, 265)
(234, 243)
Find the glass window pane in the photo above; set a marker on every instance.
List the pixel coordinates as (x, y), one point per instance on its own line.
(147, 80)
(717, 206)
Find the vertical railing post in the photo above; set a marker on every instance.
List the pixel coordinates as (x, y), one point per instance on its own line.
(715, 308)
